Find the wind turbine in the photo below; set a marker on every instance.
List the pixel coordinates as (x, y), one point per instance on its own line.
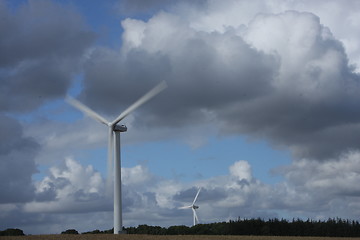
(114, 131)
(193, 207)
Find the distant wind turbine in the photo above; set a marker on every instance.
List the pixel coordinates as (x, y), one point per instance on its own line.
(114, 146)
(193, 207)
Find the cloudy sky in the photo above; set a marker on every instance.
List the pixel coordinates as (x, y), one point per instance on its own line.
(261, 110)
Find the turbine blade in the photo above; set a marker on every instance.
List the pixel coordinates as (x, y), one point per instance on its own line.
(157, 89)
(185, 207)
(197, 194)
(110, 162)
(75, 103)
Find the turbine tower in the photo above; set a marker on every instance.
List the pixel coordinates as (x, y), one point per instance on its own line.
(114, 131)
(193, 207)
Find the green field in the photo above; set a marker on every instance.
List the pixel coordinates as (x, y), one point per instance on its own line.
(159, 237)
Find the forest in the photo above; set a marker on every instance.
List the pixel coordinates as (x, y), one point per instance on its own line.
(273, 227)
(334, 227)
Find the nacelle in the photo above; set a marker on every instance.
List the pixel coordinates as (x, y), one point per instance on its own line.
(120, 128)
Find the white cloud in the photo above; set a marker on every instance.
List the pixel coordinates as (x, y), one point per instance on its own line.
(132, 38)
(338, 177)
(59, 139)
(312, 189)
(71, 187)
(241, 170)
(85, 179)
(136, 176)
(217, 16)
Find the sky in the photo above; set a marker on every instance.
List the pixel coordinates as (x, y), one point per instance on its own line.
(261, 110)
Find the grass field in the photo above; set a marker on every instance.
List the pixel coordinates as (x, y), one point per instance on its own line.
(167, 237)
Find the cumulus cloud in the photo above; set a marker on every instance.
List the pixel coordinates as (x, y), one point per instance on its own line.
(62, 198)
(241, 170)
(318, 189)
(337, 177)
(189, 60)
(283, 77)
(315, 92)
(310, 190)
(217, 16)
(70, 191)
(69, 188)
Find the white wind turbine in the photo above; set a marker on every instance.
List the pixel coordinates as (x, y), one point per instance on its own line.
(193, 207)
(114, 146)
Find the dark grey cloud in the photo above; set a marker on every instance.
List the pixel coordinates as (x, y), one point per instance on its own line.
(141, 6)
(46, 195)
(197, 79)
(112, 81)
(205, 195)
(187, 195)
(41, 47)
(17, 162)
(42, 44)
(150, 7)
(295, 89)
(133, 200)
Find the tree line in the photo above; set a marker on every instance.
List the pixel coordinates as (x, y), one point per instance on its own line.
(333, 227)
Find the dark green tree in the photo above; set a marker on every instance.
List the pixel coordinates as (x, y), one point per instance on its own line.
(70, 231)
(12, 232)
